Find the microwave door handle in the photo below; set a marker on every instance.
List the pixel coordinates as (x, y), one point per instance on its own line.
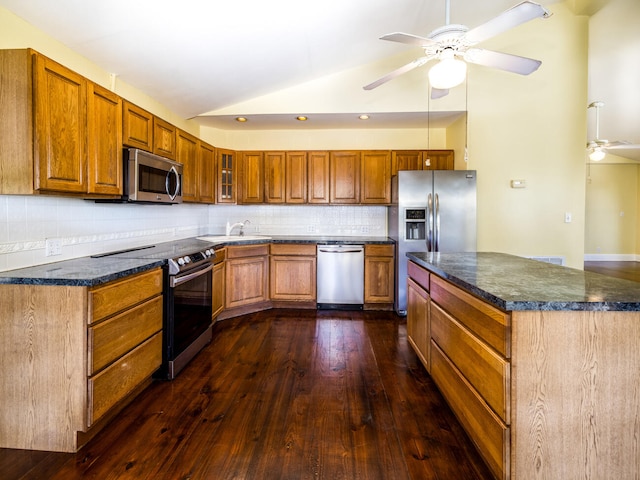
(172, 171)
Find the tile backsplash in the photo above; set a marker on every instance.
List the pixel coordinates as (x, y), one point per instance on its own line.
(85, 228)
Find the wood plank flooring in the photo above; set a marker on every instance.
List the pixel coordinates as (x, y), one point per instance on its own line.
(626, 270)
(282, 394)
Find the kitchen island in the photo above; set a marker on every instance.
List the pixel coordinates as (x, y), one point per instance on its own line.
(539, 362)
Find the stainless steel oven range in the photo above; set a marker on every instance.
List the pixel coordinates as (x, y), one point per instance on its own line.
(188, 293)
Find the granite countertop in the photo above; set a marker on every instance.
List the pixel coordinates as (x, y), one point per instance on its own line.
(79, 272)
(515, 283)
(92, 271)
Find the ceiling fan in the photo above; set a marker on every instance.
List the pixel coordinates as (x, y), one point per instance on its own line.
(598, 147)
(452, 40)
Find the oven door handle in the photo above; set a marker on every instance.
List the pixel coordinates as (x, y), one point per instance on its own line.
(175, 280)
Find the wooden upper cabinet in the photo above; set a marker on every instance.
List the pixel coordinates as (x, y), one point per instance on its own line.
(207, 173)
(274, 177)
(405, 160)
(226, 173)
(60, 127)
(344, 177)
(252, 177)
(104, 125)
(187, 149)
(318, 177)
(164, 138)
(375, 177)
(137, 126)
(438, 160)
(296, 177)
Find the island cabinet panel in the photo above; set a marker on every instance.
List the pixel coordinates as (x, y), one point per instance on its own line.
(137, 126)
(60, 126)
(576, 391)
(318, 163)
(418, 328)
(479, 317)
(486, 430)
(104, 123)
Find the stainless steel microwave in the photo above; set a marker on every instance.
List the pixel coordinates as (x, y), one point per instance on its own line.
(151, 178)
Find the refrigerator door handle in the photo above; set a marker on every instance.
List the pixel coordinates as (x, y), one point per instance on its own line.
(429, 223)
(436, 246)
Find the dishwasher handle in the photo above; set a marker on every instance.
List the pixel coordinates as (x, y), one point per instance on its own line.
(356, 250)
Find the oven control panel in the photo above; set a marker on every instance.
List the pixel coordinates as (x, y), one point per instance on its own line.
(189, 261)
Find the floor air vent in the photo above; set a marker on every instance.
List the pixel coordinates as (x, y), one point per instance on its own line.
(554, 260)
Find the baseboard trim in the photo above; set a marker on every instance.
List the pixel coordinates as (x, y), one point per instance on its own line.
(611, 257)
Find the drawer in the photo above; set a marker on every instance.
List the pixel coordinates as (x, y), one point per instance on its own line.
(486, 322)
(240, 251)
(489, 434)
(114, 337)
(487, 371)
(420, 275)
(293, 249)
(119, 379)
(121, 294)
(374, 250)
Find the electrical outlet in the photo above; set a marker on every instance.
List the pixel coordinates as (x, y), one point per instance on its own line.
(311, 229)
(364, 229)
(567, 217)
(52, 246)
(256, 228)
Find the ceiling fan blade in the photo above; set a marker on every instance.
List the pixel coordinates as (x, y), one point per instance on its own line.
(502, 61)
(620, 144)
(408, 39)
(399, 71)
(439, 93)
(517, 15)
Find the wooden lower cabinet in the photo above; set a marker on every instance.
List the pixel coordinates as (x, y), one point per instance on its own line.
(247, 276)
(418, 328)
(293, 272)
(379, 276)
(217, 301)
(72, 355)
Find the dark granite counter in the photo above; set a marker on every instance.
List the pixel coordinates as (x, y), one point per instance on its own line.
(515, 283)
(80, 272)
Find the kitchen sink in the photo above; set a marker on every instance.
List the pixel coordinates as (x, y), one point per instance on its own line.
(232, 238)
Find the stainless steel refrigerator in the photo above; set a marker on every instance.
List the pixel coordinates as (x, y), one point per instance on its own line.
(431, 211)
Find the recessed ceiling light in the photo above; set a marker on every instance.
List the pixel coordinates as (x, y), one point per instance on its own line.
(364, 117)
(241, 119)
(301, 118)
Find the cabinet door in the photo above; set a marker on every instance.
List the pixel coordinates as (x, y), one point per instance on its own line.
(405, 160)
(104, 120)
(207, 173)
(296, 177)
(252, 177)
(247, 281)
(318, 163)
(293, 278)
(137, 127)
(217, 300)
(274, 177)
(379, 274)
(418, 331)
(164, 138)
(438, 160)
(60, 128)
(187, 146)
(375, 177)
(226, 175)
(344, 177)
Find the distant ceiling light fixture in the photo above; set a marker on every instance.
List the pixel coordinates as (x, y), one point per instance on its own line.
(364, 117)
(241, 119)
(597, 153)
(448, 72)
(301, 118)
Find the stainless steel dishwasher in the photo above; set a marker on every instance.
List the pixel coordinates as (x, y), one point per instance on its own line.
(340, 279)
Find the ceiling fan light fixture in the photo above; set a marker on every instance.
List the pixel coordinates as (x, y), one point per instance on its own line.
(596, 154)
(449, 72)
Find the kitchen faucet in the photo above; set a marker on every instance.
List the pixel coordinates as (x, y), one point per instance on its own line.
(238, 224)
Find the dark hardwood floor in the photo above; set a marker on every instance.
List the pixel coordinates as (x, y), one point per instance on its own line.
(626, 270)
(283, 394)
